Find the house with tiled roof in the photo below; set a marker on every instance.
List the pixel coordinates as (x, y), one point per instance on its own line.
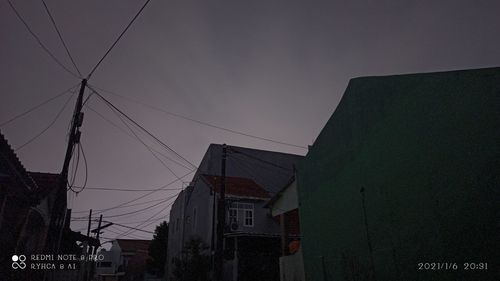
(251, 234)
(31, 208)
(124, 261)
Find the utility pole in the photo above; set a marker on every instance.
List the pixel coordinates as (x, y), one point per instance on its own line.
(74, 138)
(83, 264)
(221, 219)
(99, 227)
(90, 223)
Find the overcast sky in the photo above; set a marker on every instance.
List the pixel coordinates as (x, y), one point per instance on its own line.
(275, 69)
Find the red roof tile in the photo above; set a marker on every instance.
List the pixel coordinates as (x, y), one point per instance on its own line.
(236, 186)
(133, 245)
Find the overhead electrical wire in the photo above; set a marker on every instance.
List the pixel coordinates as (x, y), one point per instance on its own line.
(150, 220)
(127, 190)
(140, 210)
(125, 226)
(127, 206)
(117, 39)
(144, 223)
(67, 91)
(248, 170)
(142, 142)
(118, 231)
(75, 162)
(134, 222)
(46, 128)
(71, 184)
(40, 41)
(201, 122)
(131, 212)
(122, 222)
(143, 129)
(132, 137)
(233, 150)
(145, 195)
(61, 38)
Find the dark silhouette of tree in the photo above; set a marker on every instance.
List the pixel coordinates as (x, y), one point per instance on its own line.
(195, 264)
(158, 250)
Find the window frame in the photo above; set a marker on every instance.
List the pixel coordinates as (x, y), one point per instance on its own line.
(241, 213)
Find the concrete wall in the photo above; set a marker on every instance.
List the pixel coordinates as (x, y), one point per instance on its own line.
(176, 228)
(264, 174)
(292, 267)
(287, 200)
(409, 164)
(201, 199)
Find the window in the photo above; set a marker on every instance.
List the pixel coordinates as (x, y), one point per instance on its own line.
(233, 215)
(241, 213)
(248, 218)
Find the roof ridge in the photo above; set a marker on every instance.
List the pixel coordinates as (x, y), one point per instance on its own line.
(17, 166)
(432, 72)
(255, 149)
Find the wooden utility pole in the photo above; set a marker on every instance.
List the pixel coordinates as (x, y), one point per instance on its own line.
(74, 138)
(221, 220)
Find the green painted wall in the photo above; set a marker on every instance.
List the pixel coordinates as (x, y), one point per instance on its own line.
(426, 149)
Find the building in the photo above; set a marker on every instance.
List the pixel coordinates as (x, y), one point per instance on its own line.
(33, 208)
(33, 218)
(125, 261)
(405, 174)
(251, 235)
(284, 207)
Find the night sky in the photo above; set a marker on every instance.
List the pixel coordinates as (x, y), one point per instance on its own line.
(275, 69)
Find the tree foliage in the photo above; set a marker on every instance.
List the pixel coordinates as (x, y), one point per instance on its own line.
(158, 250)
(195, 264)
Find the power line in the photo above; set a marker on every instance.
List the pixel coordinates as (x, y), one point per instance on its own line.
(147, 194)
(118, 39)
(150, 220)
(142, 221)
(84, 185)
(117, 231)
(75, 162)
(248, 170)
(129, 227)
(46, 128)
(127, 222)
(147, 220)
(201, 122)
(143, 209)
(40, 41)
(133, 212)
(60, 37)
(127, 190)
(38, 106)
(143, 143)
(131, 205)
(132, 137)
(261, 160)
(142, 128)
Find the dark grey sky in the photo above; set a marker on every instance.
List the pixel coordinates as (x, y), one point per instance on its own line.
(276, 69)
